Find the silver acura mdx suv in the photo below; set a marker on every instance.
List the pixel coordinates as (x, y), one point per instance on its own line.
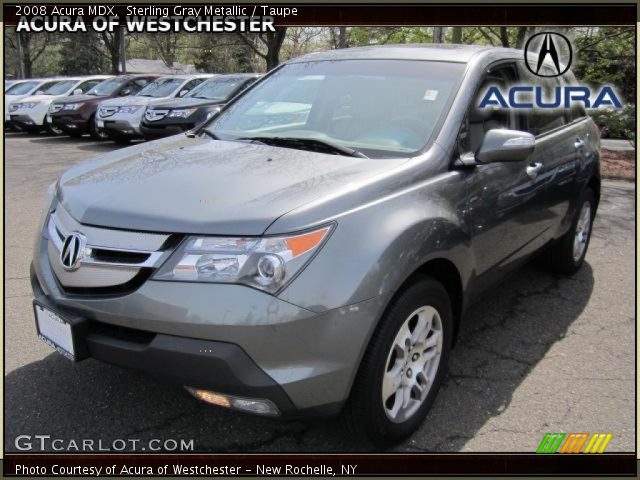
(313, 248)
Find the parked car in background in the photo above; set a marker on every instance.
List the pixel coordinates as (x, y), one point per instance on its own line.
(21, 89)
(76, 115)
(120, 117)
(30, 113)
(162, 119)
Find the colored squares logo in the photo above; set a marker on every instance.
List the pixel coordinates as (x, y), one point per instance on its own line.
(574, 443)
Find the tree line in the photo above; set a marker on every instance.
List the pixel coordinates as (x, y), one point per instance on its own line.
(604, 55)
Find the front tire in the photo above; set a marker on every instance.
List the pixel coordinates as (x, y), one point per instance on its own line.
(567, 254)
(52, 129)
(95, 132)
(403, 367)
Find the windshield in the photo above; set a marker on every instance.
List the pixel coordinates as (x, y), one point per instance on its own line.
(59, 88)
(217, 89)
(108, 87)
(163, 87)
(22, 88)
(384, 108)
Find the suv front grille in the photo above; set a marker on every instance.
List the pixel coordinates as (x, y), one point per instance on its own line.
(109, 261)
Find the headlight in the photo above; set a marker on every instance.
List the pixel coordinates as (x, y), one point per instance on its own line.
(72, 106)
(29, 104)
(129, 108)
(14, 106)
(266, 263)
(55, 107)
(182, 113)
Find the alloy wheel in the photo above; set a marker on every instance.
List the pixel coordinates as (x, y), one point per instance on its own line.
(583, 230)
(412, 364)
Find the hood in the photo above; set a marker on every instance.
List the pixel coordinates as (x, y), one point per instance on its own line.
(197, 185)
(135, 100)
(39, 98)
(186, 102)
(81, 98)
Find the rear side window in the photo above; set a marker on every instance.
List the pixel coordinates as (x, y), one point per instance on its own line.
(138, 84)
(88, 85)
(192, 84)
(543, 120)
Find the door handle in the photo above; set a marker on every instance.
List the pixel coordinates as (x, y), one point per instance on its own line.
(579, 143)
(533, 169)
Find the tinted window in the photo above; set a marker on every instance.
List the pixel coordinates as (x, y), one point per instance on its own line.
(542, 120)
(381, 107)
(479, 121)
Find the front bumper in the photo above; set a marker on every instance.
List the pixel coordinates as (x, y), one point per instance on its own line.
(70, 123)
(120, 128)
(160, 131)
(24, 121)
(202, 364)
(263, 347)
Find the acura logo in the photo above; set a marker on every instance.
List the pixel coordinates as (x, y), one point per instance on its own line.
(548, 46)
(73, 250)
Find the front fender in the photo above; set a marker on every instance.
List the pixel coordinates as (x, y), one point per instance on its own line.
(376, 247)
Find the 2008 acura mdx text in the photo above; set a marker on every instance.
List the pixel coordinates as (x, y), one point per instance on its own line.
(313, 248)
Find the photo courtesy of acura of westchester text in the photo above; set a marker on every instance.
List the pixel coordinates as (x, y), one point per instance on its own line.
(347, 230)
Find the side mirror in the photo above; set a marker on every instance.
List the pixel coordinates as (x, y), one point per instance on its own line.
(183, 93)
(502, 145)
(78, 91)
(125, 92)
(39, 92)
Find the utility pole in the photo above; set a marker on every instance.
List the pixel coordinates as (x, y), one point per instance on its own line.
(123, 54)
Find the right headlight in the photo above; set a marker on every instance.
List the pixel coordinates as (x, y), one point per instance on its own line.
(266, 263)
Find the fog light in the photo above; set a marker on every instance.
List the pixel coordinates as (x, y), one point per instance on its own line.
(259, 406)
(210, 397)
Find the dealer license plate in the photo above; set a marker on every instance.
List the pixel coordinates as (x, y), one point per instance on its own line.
(54, 331)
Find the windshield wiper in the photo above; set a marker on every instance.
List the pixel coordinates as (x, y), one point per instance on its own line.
(195, 132)
(312, 144)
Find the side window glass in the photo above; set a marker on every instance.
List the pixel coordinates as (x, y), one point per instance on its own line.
(479, 121)
(86, 86)
(138, 85)
(543, 120)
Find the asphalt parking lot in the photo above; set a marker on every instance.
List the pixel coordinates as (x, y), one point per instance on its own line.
(539, 354)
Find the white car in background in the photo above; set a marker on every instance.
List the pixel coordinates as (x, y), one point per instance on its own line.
(121, 117)
(30, 113)
(20, 89)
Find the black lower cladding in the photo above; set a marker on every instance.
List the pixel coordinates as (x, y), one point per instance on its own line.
(217, 366)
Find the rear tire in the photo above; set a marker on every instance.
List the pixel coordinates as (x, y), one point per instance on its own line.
(403, 367)
(566, 255)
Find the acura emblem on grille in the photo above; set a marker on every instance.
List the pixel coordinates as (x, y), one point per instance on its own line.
(73, 250)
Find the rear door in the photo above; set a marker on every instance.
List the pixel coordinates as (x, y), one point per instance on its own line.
(561, 139)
